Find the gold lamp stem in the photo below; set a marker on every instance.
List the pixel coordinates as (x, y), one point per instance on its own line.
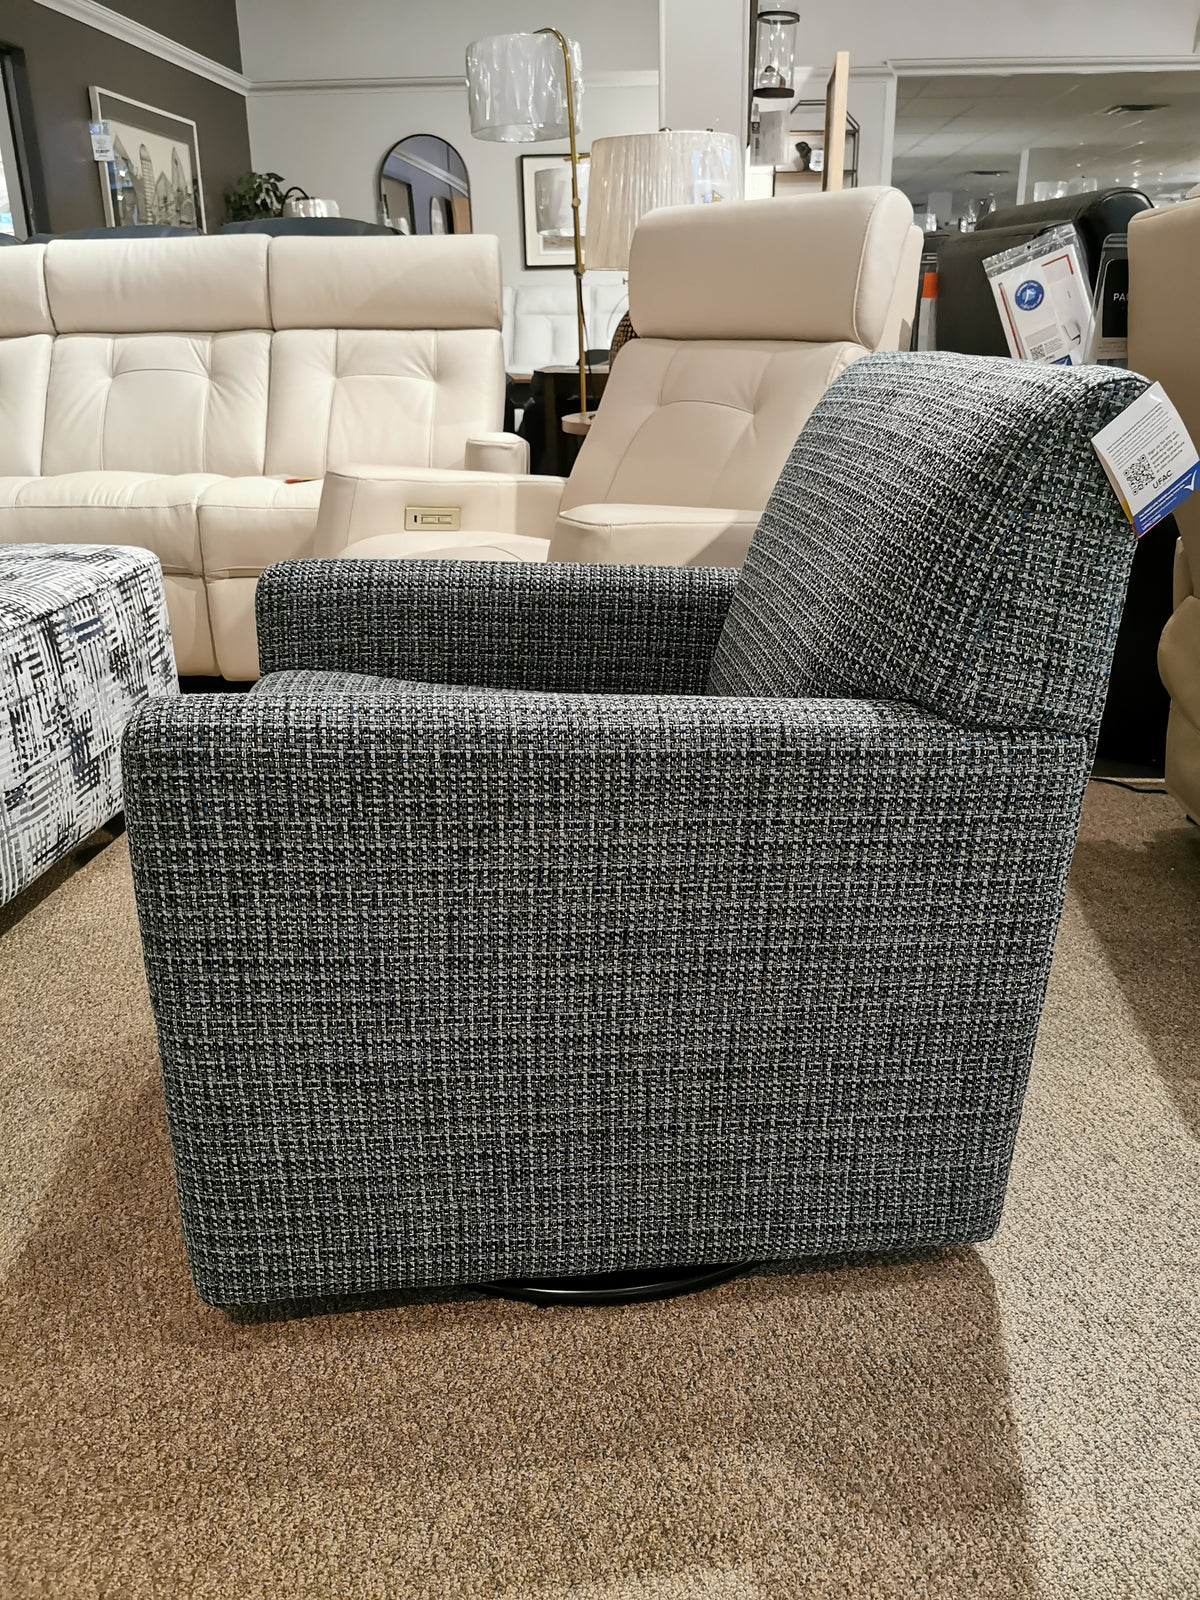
(575, 218)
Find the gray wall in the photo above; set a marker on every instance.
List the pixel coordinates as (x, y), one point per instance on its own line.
(64, 57)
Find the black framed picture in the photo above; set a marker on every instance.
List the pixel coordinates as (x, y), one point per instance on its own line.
(547, 233)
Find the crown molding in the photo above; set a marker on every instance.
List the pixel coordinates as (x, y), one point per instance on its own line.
(103, 18)
(591, 80)
(996, 66)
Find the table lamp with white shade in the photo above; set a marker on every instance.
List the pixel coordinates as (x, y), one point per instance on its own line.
(526, 88)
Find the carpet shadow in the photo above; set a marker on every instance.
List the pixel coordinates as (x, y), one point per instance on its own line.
(828, 1428)
(1139, 890)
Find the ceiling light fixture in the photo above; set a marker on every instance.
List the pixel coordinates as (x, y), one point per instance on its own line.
(1132, 109)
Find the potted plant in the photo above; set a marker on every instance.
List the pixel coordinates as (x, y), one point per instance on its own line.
(255, 194)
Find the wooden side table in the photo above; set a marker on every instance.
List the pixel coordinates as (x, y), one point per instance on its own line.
(551, 384)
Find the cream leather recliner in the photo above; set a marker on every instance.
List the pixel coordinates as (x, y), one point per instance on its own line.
(1164, 343)
(169, 393)
(745, 314)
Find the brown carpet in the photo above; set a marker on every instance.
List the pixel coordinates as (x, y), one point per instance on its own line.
(1018, 1420)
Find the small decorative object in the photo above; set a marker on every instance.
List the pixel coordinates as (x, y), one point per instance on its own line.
(154, 176)
(526, 88)
(638, 172)
(547, 216)
(804, 168)
(775, 55)
(254, 195)
(298, 204)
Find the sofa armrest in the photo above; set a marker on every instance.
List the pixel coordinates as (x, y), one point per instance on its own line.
(497, 452)
(645, 630)
(669, 536)
(363, 502)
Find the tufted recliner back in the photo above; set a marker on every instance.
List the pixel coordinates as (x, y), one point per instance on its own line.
(745, 313)
(943, 534)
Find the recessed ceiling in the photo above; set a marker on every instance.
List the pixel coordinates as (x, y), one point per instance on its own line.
(1139, 128)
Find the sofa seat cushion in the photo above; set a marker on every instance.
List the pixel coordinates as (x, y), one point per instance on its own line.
(464, 546)
(131, 508)
(247, 523)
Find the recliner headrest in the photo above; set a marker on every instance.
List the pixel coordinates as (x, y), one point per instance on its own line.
(811, 270)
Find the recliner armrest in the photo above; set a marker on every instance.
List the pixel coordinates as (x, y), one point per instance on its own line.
(497, 452)
(366, 502)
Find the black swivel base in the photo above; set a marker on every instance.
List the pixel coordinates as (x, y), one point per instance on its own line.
(616, 1288)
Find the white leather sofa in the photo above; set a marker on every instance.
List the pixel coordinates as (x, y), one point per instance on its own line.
(541, 320)
(163, 392)
(745, 314)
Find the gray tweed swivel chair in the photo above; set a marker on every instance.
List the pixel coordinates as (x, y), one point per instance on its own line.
(537, 920)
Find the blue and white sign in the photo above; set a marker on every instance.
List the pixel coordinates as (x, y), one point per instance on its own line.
(1029, 295)
(1150, 459)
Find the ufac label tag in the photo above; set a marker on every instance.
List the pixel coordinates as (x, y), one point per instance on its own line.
(1150, 459)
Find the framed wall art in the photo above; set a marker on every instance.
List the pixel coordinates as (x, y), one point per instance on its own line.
(549, 202)
(154, 176)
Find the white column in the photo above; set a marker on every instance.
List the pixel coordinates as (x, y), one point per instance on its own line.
(704, 64)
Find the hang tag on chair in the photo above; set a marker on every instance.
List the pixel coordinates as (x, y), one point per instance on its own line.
(1150, 459)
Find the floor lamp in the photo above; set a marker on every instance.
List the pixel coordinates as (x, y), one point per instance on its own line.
(526, 88)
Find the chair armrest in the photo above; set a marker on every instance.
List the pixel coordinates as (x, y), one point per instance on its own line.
(497, 452)
(670, 536)
(646, 630)
(365, 502)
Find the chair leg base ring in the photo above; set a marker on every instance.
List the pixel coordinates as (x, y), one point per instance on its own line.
(617, 1288)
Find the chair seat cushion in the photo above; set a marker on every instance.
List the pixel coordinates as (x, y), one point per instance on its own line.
(155, 512)
(442, 546)
(669, 536)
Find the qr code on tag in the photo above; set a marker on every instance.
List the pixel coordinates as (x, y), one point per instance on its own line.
(1042, 346)
(1141, 475)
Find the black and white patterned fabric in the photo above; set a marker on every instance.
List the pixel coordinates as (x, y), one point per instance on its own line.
(511, 952)
(84, 640)
(965, 553)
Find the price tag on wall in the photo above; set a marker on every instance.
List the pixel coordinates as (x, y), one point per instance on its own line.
(1150, 459)
(102, 141)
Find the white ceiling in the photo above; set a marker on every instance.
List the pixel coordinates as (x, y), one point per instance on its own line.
(947, 126)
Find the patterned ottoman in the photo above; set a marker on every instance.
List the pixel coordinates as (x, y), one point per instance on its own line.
(83, 641)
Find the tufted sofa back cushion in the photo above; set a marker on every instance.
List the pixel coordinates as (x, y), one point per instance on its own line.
(162, 357)
(383, 353)
(26, 337)
(704, 423)
(943, 534)
(241, 354)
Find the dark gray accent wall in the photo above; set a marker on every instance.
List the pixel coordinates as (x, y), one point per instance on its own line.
(209, 27)
(63, 57)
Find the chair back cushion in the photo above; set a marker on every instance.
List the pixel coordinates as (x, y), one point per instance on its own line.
(943, 534)
(745, 313)
(707, 423)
